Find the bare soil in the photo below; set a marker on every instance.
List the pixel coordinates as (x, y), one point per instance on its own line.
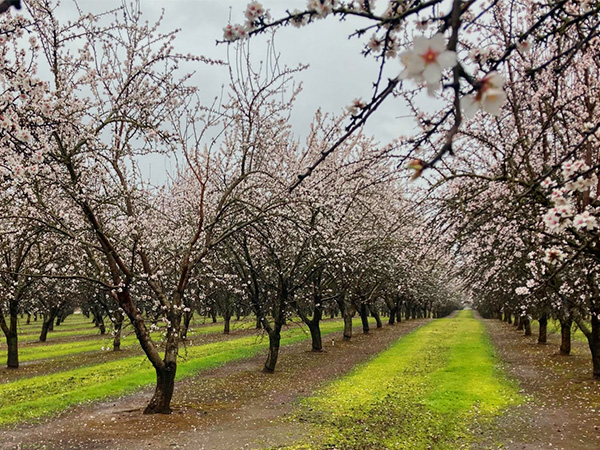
(232, 407)
(563, 407)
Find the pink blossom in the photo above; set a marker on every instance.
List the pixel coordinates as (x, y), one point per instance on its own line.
(427, 60)
(490, 97)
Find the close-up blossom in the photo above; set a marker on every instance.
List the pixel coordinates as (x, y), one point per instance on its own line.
(427, 60)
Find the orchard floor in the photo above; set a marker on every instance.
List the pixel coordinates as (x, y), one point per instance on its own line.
(236, 406)
(563, 407)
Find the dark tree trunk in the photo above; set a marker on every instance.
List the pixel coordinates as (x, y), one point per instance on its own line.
(165, 369)
(543, 334)
(12, 361)
(364, 318)
(315, 334)
(375, 315)
(274, 342)
(213, 315)
(258, 323)
(565, 336)
(51, 324)
(44, 333)
(48, 321)
(28, 319)
(118, 325)
(187, 319)
(347, 325)
(594, 343)
(393, 312)
(10, 332)
(58, 321)
(165, 385)
(226, 324)
(527, 326)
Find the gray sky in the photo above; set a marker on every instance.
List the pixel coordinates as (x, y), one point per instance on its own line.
(338, 72)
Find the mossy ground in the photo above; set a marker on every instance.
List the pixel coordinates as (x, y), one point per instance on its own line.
(427, 391)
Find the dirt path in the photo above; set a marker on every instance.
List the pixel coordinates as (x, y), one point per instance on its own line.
(235, 406)
(564, 410)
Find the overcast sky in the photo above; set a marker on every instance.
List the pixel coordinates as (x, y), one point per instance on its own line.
(338, 73)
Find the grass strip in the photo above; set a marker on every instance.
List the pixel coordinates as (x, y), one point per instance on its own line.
(429, 390)
(103, 343)
(38, 397)
(554, 328)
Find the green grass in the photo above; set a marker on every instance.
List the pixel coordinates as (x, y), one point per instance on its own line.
(41, 396)
(554, 327)
(427, 391)
(50, 350)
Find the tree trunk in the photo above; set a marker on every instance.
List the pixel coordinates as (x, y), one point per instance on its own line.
(315, 334)
(347, 325)
(258, 323)
(393, 312)
(28, 319)
(375, 315)
(594, 343)
(12, 337)
(543, 334)
(48, 321)
(44, 333)
(364, 318)
(274, 342)
(226, 324)
(187, 319)
(521, 325)
(165, 385)
(118, 325)
(565, 336)
(12, 361)
(51, 324)
(527, 326)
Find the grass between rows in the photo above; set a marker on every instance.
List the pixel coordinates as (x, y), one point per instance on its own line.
(429, 390)
(46, 351)
(554, 327)
(41, 396)
(79, 325)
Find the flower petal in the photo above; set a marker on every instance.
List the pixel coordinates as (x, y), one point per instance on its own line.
(437, 43)
(421, 44)
(446, 59)
(469, 105)
(432, 73)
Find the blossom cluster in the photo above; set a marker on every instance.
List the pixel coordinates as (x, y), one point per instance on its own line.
(564, 213)
(425, 62)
